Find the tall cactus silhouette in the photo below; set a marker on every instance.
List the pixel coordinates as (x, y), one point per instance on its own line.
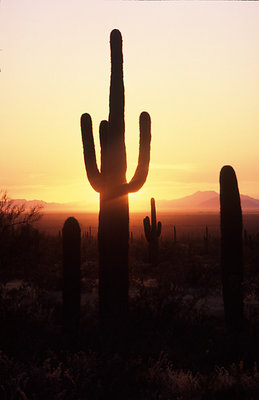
(152, 233)
(110, 182)
(231, 248)
(71, 240)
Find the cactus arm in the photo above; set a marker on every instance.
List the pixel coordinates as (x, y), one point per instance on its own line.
(92, 171)
(159, 228)
(152, 233)
(153, 214)
(103, 134)
(141, 172)
(147, 228)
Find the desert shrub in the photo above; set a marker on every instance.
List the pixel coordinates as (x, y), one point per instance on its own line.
(19, 241)
(27, 317)
(90, 375)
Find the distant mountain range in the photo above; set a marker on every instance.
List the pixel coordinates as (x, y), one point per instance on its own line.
(49, 207)
(201, 200)
(205, 200)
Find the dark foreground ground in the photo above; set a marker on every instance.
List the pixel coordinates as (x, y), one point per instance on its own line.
(175, 344)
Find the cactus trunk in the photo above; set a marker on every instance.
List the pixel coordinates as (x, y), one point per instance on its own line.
(231, 248)
(113, 232)
(113, 237)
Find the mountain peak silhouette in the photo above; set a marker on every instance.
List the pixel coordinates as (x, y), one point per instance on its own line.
(204, 200)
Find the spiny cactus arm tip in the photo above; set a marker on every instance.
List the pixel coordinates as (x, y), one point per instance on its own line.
(141, 172)
(92, 171)
(115, 35)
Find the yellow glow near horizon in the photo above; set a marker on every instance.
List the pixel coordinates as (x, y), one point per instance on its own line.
(192, 65)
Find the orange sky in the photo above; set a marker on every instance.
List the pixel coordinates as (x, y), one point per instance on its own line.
(194, 66)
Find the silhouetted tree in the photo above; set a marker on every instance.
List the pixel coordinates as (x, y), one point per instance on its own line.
(12, 214)
(19, 240)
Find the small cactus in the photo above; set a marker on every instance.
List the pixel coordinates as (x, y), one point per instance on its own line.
(175, 237)
(71, 239)
(231, 248)
(131, 237)
(152, 233)
(206, 240)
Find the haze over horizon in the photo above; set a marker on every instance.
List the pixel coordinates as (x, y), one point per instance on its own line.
(198, 201)
(196, 73)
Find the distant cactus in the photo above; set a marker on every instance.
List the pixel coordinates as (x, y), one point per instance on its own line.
(152, 233)
(245, 237)
(206, 240)
(89, 237)
(131, 237)
(71, 239)
(231, 248)
(175, 237)
(110, 182)
(248, 240)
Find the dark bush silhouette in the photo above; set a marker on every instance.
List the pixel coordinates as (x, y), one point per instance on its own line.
(113, 234)
(19, 240)
(231, 248)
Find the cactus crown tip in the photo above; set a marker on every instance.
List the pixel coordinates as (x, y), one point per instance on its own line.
(85, 118)
(227, 169)
(145, 114)
(227, 172)
(115, 34)
(144, 118)
(71, 221)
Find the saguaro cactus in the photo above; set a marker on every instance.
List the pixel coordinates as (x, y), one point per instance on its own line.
(206, 240)
(152, 233)
(71, 240)
(231, 248)
(110, 182)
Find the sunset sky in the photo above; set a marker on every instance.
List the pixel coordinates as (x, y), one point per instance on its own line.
(194, 66)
